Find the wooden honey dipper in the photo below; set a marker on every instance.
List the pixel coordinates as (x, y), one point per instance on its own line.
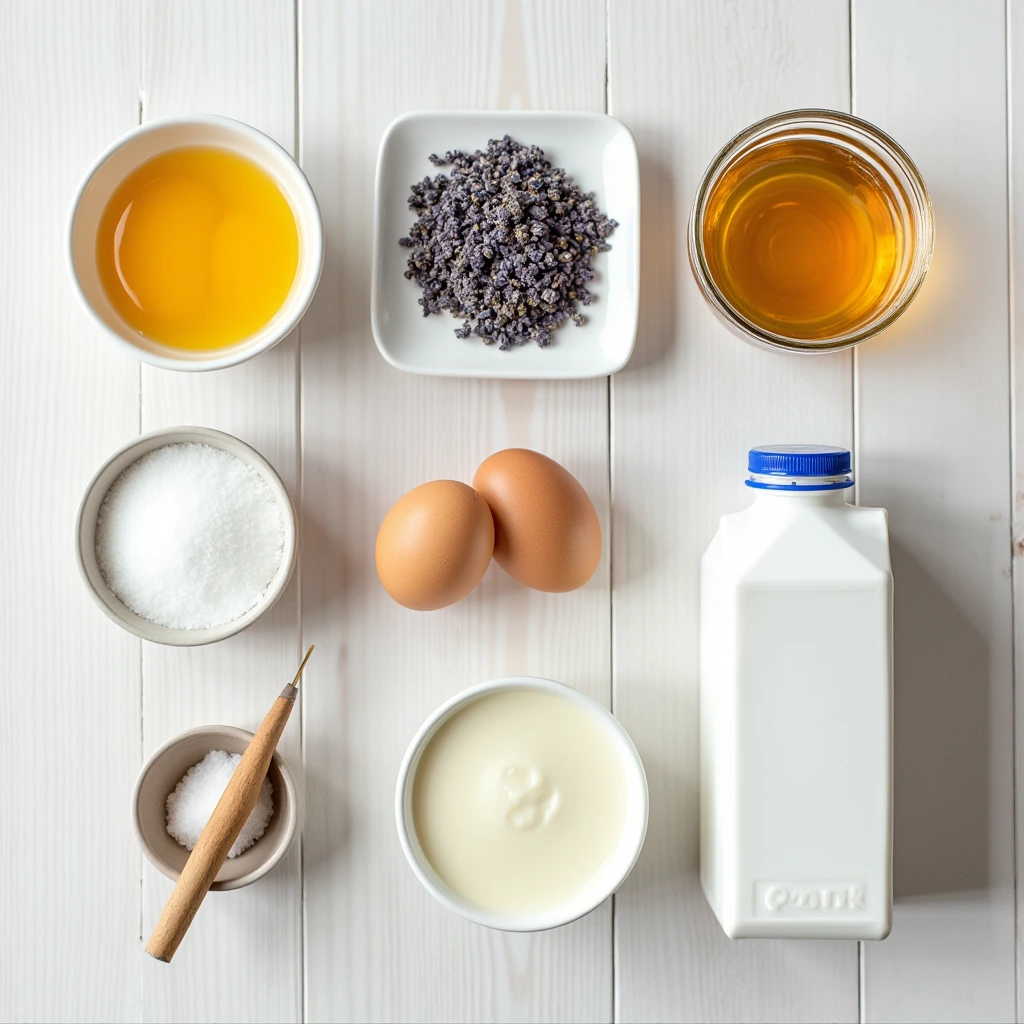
(221, 831)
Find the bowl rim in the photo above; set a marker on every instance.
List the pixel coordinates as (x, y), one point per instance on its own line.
(292, 826)
(113, 607)
(508, 922)
(376, 326)
(245, 349)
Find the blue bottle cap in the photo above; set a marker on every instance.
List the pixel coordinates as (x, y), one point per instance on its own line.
(823, 462)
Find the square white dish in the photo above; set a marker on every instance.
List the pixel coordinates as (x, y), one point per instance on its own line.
(599, 153)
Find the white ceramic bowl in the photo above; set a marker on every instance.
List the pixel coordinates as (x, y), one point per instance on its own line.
(600, 154)
(608, 879)
(144, 143)
(164, 770)
(85, 535)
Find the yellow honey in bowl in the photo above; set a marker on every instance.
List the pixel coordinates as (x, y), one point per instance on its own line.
(197, 248)
(803, 238)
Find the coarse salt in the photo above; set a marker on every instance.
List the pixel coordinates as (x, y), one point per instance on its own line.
(189, 536)
(194, 798)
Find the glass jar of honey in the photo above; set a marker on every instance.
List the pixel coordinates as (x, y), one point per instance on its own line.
(811, 231)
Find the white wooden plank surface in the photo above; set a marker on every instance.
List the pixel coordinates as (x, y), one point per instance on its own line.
(685, 77)
(69, 730)
(1015, 140)
(356, 938)
(377, 946)
(933, 431)
(242, 959)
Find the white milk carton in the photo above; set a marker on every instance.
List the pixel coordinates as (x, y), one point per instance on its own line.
(796, 706)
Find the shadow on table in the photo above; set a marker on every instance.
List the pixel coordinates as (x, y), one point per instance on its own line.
(662, 246)
(943, 740)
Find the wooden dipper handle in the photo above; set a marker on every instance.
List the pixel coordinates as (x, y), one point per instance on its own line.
(221, 831)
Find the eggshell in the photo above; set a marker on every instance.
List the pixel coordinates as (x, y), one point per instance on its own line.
(434, 545)
(546, 531)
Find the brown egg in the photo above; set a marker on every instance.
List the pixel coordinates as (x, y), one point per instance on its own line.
(546, 531)
(434, 545)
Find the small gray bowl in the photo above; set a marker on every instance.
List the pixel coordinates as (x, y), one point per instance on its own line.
(85, 535)
(162, 772)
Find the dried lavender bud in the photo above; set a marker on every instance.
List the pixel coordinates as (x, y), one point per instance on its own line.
(504, 243)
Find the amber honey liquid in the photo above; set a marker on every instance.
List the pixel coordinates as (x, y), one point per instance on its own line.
(197, 248)
(804, 239)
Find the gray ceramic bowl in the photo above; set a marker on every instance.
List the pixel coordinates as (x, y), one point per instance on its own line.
(164, 770)
(85, 535)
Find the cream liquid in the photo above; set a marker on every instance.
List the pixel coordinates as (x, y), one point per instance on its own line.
(519, 800)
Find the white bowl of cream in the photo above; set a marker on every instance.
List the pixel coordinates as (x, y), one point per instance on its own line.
(521, 804)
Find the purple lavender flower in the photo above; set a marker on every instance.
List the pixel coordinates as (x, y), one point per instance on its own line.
(504, 243)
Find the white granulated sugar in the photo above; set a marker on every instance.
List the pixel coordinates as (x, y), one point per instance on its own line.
(194, 798)
(189, 536)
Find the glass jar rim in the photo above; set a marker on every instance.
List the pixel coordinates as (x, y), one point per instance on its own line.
(853, 129)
